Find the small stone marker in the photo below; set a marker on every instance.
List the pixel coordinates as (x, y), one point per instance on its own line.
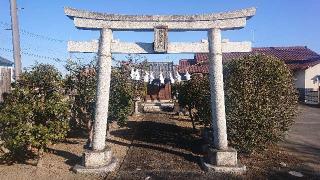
(283, 164)
(295, 173)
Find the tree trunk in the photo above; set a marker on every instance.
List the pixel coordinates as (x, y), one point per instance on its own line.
(192, 119)
(90, 130)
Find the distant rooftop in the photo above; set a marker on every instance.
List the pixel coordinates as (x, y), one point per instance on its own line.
(5, 62)
(296, 58)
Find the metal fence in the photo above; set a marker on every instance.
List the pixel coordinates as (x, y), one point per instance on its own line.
(5, 81)
(309, 96)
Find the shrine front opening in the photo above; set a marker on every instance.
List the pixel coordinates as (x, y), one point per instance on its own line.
(221, 158)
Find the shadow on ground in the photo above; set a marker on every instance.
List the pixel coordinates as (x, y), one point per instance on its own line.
(162, 134)
(71, 159)
(309, 154)
(160, 144)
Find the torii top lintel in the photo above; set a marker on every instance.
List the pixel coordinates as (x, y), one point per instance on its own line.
(224, 21)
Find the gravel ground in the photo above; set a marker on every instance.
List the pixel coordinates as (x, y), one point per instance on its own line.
(162, 150)
(160, 144)
(153, 146)
(55, 164)
(58, 162)
(164, 147)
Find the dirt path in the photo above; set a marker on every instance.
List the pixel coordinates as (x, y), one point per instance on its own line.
(161, 149)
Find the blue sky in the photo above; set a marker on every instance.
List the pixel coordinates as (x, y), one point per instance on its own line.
(277, 23)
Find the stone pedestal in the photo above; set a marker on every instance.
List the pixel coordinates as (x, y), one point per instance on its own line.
(224, 161)
(96, 161)
(222, 157)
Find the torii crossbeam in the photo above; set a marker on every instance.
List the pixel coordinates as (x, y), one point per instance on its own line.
(220, 158)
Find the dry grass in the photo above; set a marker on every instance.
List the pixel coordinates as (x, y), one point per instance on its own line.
(156, 146)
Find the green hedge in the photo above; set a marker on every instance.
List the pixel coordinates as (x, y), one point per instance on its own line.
(261, 101)
(194, 95)
(81, 85)
(43, 106)
(260, 98)
(121, 96)
(35, 113)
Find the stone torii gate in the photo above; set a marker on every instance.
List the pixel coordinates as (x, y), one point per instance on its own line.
(220, 158)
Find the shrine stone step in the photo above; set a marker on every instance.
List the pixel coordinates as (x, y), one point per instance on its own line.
(158, 107)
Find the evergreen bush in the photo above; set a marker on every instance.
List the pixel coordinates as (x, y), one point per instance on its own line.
(260, 100)
(81, 84)
(121, 96)
(35, 113)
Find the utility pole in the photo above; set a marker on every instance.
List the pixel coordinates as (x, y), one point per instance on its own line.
(15, 38)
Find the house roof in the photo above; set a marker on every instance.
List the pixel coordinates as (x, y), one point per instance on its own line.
(296, 58)
(186, 62)
(5, 62)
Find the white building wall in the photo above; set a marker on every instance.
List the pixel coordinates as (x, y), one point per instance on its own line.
(311, 77)
(299, 79)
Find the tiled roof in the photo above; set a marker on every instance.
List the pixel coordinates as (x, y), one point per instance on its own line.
(296, 57)
(186, 62)
(5, 62)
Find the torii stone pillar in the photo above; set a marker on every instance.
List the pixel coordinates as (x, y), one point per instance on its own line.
(218, 114)
(220, 157)
(99, 158)
(103, 90)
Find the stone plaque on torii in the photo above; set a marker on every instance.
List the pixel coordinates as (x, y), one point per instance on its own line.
(221, 158)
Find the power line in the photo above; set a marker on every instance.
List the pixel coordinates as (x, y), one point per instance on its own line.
(39, 48)
(26, 51)
(34, 35)
(73, 55)
(5, 26)
(33, 55)
(51, 58)
(35, 46)
(24, 32)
